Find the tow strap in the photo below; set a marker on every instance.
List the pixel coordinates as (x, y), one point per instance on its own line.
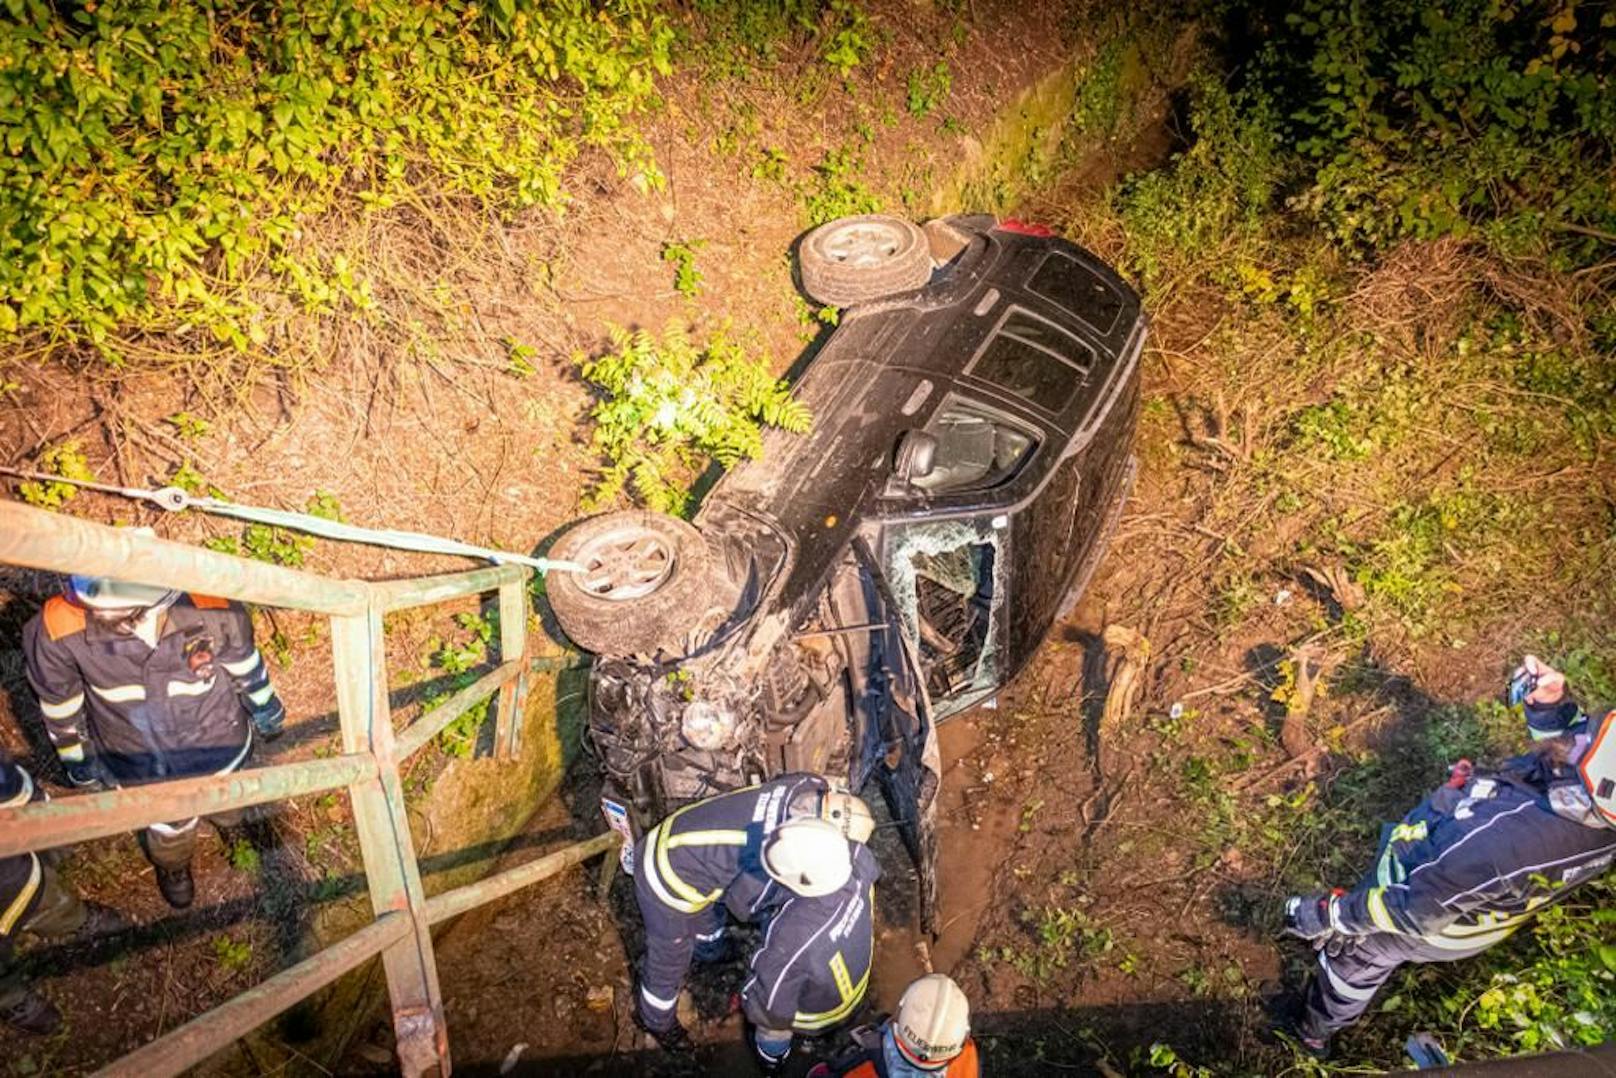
(174, 500)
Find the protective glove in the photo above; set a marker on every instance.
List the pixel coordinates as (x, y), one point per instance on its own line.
(270, 719)
(1307, 917)
(1540, 691)
(84, 775)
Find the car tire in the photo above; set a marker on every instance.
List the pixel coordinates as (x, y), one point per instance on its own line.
(646, 575)
(856, 259)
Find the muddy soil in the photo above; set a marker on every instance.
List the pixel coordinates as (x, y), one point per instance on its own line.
(414, 419)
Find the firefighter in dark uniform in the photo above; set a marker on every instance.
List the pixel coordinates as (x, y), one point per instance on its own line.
(706, 857)
(138, 685)
(1471, 862)
(811, 971)
(33, 899)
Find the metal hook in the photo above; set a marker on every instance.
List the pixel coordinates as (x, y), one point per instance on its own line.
(173, 499)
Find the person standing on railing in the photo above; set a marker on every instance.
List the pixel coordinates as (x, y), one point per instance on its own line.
(141, 684)
(32, 899)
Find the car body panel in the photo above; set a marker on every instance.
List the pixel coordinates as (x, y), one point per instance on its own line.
(868, 606)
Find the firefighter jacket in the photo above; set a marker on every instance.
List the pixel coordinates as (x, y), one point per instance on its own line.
(707, 852)
(1468, 865)
(148, 713)
(812, 969)
(20, 875)
(693, 858)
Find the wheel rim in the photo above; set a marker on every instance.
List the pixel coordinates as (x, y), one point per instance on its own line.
(864, 243)
(622, 564)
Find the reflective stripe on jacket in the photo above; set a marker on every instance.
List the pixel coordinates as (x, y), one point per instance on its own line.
(695, 855)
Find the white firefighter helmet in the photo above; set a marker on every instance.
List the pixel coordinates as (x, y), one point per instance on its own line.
(932, 1023)
(836, 806)
(1597, 767)
(849, 813)
(809, 856)
(105, 593)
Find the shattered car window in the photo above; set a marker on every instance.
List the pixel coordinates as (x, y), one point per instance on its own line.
(975, 450)
(948, 579)
(1035, 360)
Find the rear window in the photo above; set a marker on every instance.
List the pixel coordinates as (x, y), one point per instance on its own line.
(1034, 360)
(1070, 284)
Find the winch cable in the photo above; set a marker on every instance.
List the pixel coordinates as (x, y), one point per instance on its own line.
(174, 500)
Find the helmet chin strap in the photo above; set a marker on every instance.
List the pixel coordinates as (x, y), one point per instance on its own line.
(143, 624)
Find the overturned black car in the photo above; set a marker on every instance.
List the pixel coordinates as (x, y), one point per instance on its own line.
(835, 599)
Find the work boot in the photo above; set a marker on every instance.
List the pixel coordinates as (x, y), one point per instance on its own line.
(102, 921)
(674, 1039)
(176, 885)
(33, 1013)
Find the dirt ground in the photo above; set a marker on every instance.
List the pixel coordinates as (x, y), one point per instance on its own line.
(413, 419)
(1087, 909)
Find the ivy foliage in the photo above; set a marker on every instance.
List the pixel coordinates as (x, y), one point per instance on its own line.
(1489, 118)
(671, 404)
(159, 155)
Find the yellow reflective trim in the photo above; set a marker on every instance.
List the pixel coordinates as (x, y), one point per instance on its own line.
(72, 754)
(120, 694)
(13, 914)
(64, 710)
(1378, 912)
(665, 869)
(850, 1000)
(838, 971)
(244, 666)
(24, 795)
(708, 838)
(1409, 832)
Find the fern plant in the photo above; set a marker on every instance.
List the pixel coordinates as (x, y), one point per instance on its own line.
(670, 405)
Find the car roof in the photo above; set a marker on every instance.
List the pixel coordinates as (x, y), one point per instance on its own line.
(889, 367)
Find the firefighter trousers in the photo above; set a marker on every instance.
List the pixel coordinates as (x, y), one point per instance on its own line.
(1347, 979)
(672, 939)
(42, 906)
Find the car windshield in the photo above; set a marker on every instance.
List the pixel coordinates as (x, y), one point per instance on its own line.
(975, 449)
(1035, 360)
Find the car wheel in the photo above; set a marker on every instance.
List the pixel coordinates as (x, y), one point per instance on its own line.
(644, 576)
(855, 259)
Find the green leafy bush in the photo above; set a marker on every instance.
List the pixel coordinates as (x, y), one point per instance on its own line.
(929, 87)
(849, 39)
(671, 404)
(159, 156)
(836, 190)
(459, 659)
(681, 255)
(1213, 194)
(66, 460)
(1469, 117)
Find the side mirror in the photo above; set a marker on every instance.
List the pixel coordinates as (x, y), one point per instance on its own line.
(915, 456)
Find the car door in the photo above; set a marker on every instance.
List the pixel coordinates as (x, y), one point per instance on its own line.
(900, 735)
